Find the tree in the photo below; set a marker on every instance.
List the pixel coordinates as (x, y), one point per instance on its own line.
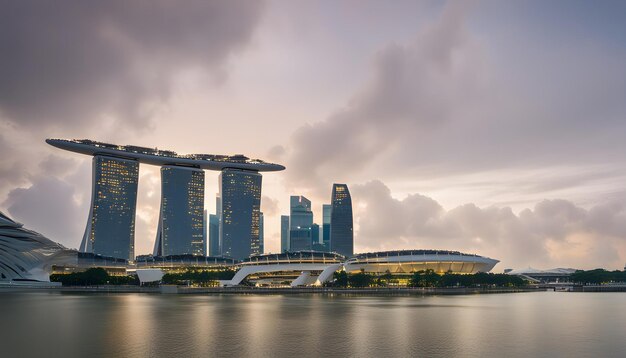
(426, 278)
(341, 278)
(360, 279)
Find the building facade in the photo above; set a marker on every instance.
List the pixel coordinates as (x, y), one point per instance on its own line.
(300, 223)
(111, 224)
(325, 229)
(214, 236)
(181, 221)
(261, 233)
(205, 233)
(284, 233)
(341, 230)
(315, 234)
(240, 193)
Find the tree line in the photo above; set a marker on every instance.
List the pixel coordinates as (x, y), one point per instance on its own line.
(95, 276)
(197, 277)
(598, 276)
(427, 278)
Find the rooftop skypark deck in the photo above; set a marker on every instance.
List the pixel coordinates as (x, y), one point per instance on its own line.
(157, 156)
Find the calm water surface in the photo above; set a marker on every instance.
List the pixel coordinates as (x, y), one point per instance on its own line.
(539, 324)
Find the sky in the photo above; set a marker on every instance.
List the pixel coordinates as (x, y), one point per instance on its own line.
(487, 127)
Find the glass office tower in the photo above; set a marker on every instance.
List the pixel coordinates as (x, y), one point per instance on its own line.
(284, 233)
(111, 225)
(327, 209)
(300, 222)
(181, 224)
(240, 193)
(214, 235)
(261, 233)
(205, 234)
(341, 235)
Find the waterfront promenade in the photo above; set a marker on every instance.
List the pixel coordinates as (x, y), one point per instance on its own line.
(172, 289)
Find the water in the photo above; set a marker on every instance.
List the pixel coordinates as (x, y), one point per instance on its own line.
(538, 324)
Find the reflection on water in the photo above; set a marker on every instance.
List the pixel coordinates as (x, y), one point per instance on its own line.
(544, 324)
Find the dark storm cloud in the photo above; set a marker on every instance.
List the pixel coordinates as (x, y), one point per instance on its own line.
(452, 102)
(74, 61)
(554, 231)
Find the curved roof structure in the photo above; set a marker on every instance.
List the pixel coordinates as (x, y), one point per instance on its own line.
(27, 255)
(550, 272)
(408, 261)
(302, 262)
(294, 257)
(160, 157)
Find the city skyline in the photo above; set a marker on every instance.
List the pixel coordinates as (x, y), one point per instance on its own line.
(486, 127)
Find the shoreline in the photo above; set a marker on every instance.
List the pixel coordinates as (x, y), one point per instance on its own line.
(171, 289)
(381, 291)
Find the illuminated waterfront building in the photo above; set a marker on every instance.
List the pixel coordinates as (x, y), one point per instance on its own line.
(341, 231)
(284, 233)
(181, 223)
(325, 229)
(312, 268)
(300, 222)
(111, 224)
(240, 193)
(407, 262)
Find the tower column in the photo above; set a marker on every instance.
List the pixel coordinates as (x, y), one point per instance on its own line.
(111, 224)
(181, 219)
(240, 193)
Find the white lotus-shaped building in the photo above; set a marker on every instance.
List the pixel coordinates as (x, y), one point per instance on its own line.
(28, 255)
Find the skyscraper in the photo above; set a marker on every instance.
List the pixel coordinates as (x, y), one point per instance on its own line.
(315, 238)
(341, 235)
(214, 235)
(326, 214)
(111, 225)
(181, 224)
(315, 233)
(218, 214)
(284, 233)
(261, 233)
(300, 222)
(240, 193)
(205, 233)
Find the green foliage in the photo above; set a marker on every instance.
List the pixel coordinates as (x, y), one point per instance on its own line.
(360, 280)
(426, 278)
(198, 277)
(387, 279)
(93, 277)
(341, 279)
(431, 279)
(598, 276)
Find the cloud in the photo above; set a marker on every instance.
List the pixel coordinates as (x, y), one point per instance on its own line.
(455, 100)
(414, 88)
(86, 62)
(48, 207)
(269, 206)
(89, 68)
(555, 231)
(276, 153)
